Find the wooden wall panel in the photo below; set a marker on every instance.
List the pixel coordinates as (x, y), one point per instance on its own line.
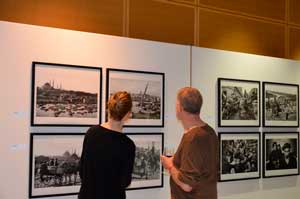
(102, 16)
(274, 9)
(57, 13)
(184, 1)
(228, 32)
(294, 43)
(159, 21)
(17, 11)
(294, 11)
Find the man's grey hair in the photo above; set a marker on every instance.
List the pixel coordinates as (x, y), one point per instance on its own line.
(190, 99)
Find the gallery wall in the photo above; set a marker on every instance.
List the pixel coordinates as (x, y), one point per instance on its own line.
(209, 65)
(22, 44)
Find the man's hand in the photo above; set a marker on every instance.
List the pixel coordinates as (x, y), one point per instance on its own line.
(167, 162)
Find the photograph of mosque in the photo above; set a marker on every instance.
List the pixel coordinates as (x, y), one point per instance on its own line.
(54, 161)
(65, 95)
(147, 92)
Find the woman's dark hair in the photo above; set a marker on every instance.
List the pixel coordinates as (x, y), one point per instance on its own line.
(119, 104)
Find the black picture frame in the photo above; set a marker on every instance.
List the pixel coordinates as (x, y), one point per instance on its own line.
(148, 109)
(239, 156)
(65, 95)
(280, 105)
(274, 145)
(49, 154)
(231, 94)
(149, 147)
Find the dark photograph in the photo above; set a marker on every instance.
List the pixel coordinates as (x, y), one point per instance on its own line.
(147, 92)
(280, 104)
(281, 153)
(239, 157)
(66, 94)
(239, 103)
(147, 166)
(55, 164)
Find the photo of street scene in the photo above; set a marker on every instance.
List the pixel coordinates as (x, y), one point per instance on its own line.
(147, 165)
(239, 103)
(55, 163)
(66, 94)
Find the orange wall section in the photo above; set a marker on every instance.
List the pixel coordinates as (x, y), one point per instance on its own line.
(161, 22)
(295, 44)
(268, 27)
(240, 34)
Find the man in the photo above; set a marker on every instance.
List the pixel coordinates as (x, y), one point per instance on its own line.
(288, 160)
(194, 167)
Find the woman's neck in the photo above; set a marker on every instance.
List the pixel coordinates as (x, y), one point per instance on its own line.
(113, 125)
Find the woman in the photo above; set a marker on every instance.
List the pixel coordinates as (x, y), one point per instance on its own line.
(108, 155)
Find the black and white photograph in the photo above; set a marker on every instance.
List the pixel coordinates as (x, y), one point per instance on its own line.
(54, 164)
(239, 156)
(281, 154)
(65, 95)
(147, 170)
(147, 92)
(238, 102)
(280, 103)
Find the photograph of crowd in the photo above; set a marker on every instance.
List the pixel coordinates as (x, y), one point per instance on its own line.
(147, 170)
(281, 153)
(55, 163)
(146, 91)
(60, 98)
(239, 156)
(239, 103)
(280, 104)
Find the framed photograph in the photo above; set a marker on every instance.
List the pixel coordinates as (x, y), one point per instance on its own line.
(280, 154)
(147, 92)
(65, 95)
(238, 102)
(280, 105)
(239, 156)
(147, 170)
(54, 164)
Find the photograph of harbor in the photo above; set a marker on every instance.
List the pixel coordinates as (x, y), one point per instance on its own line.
(66, 94)
(147, 94)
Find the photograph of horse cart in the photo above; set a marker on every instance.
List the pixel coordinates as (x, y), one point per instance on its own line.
(54, 164)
